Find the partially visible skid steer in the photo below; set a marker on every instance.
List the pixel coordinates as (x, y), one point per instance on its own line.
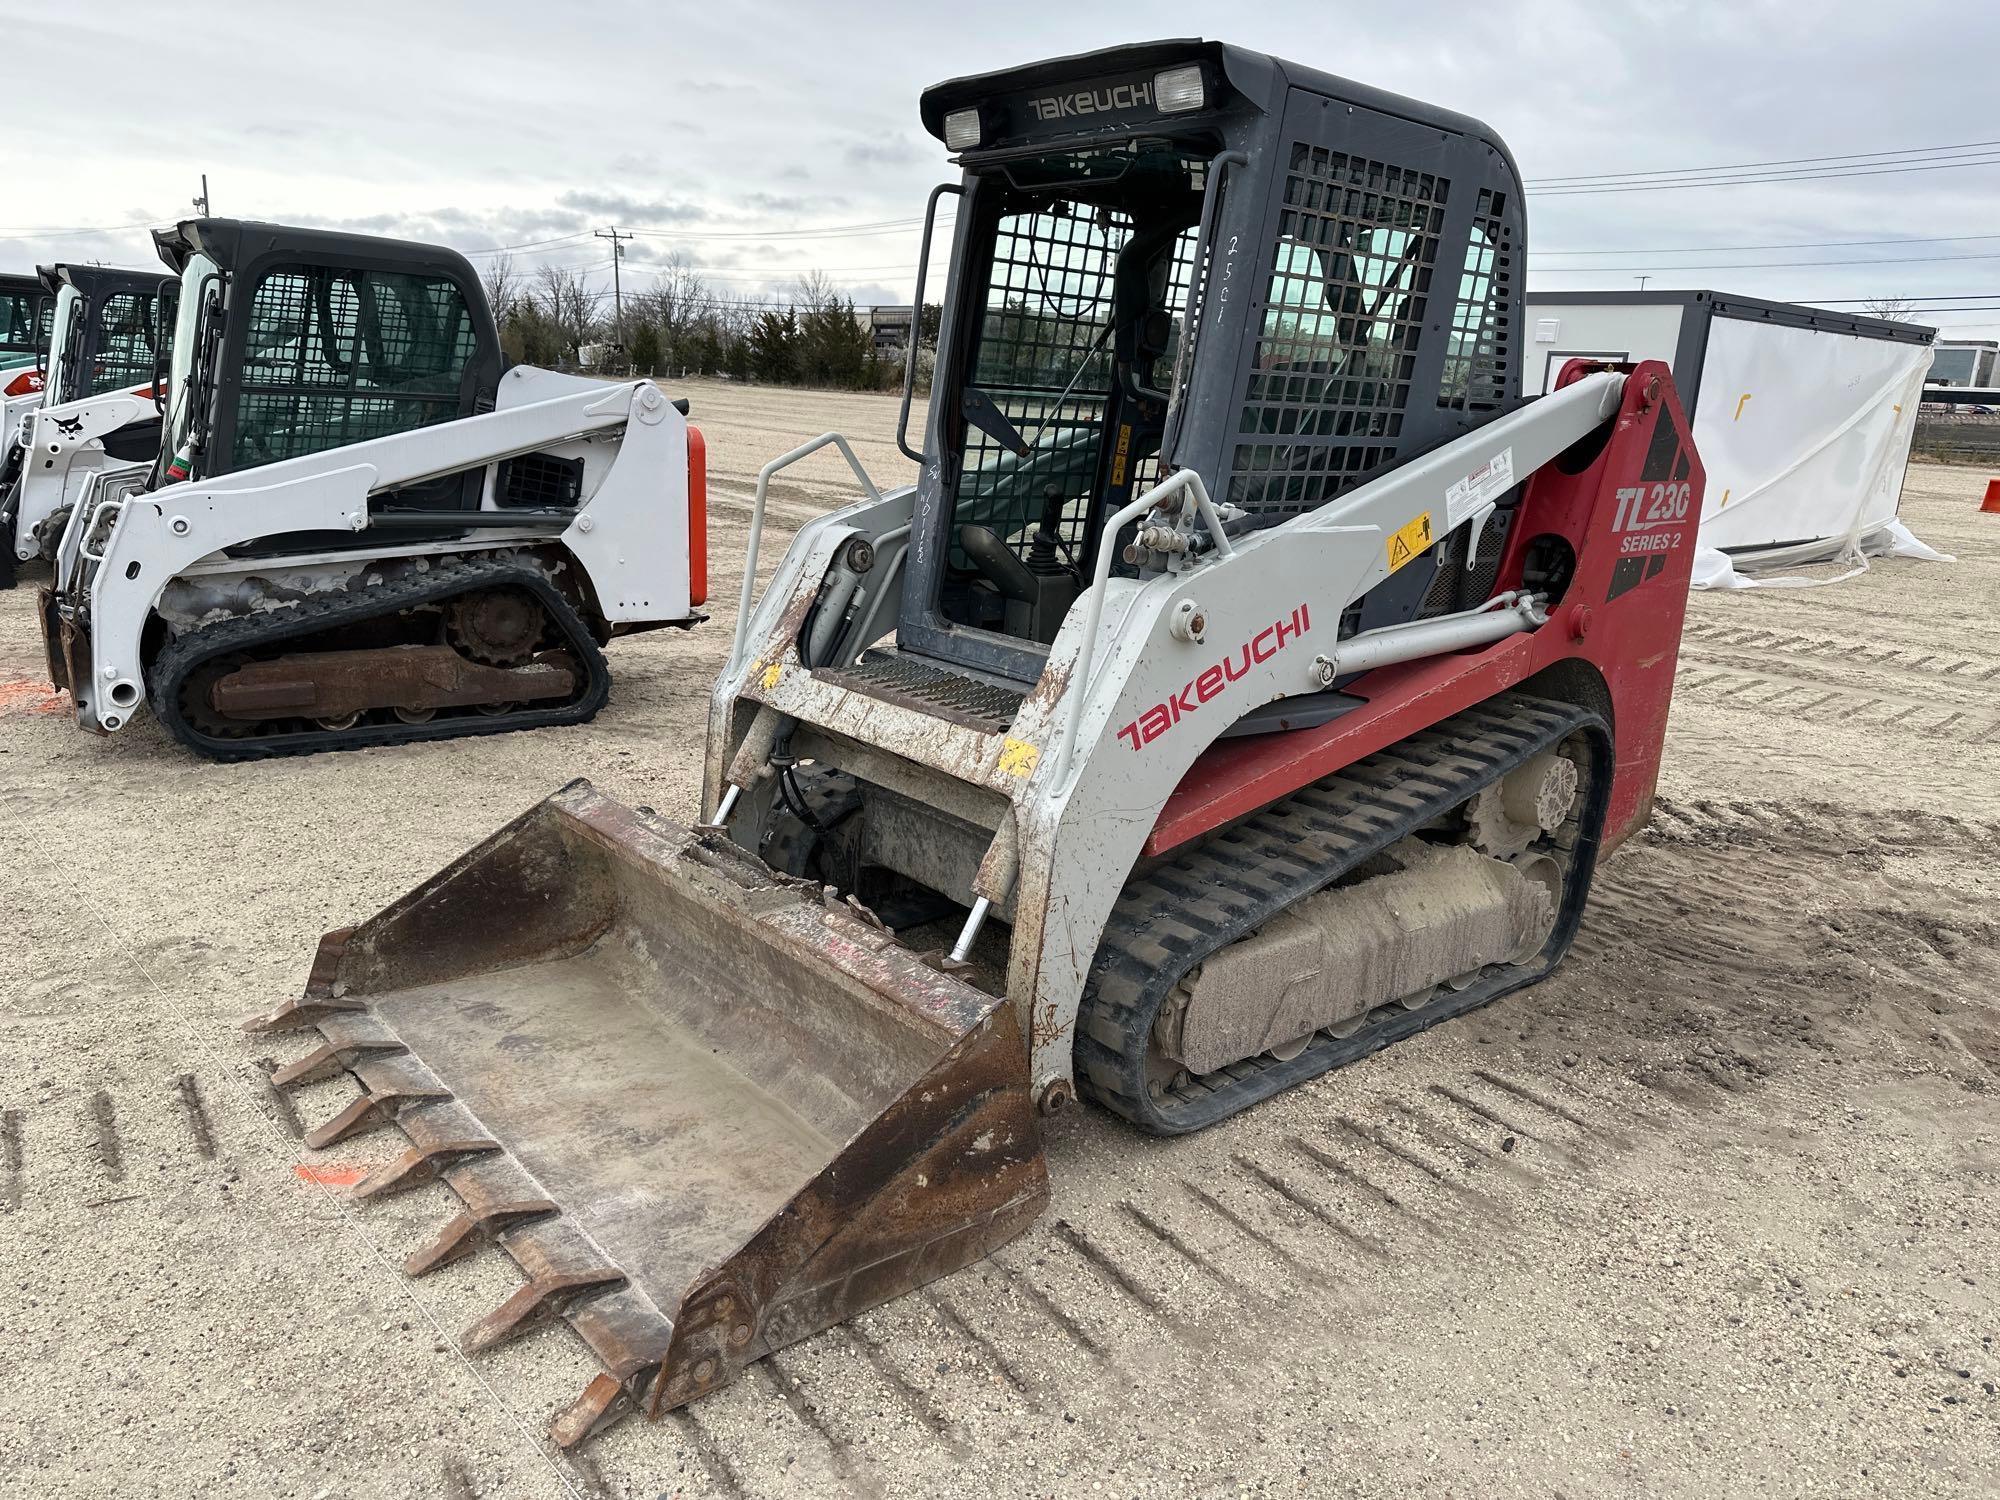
(1249, 681)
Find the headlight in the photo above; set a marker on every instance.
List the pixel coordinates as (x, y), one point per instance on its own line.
(1178, 90)
(961, 129)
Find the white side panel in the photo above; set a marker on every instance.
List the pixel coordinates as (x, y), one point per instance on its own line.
(1805, 435)
(1608, 330)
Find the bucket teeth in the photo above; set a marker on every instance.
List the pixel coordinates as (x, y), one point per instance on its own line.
(603, 1402)
(467, 1232)
(420, 1164)
(547, 1296)
(319, 1001)
(370, 1111)
(297, 1015)
(329, 1060)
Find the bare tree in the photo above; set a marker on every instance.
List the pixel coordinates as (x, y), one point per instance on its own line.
(1893, 309)
(677, 304)
(502, 283)
(569, 302)
(816, 292)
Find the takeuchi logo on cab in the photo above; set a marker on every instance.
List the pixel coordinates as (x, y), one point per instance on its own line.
(1212, 681)
(1106, 101)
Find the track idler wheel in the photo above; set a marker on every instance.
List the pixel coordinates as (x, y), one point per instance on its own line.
(500, 627)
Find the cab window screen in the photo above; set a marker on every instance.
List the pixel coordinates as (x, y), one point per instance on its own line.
(336, 356)
(1040, 357)
(1346, 300)
(20, 320)
(124, 354)
(1478, 366)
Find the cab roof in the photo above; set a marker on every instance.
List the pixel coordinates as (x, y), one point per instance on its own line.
(1250, 79)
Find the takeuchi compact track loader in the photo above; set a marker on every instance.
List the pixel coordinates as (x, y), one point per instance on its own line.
(1250, 680)
(94, 409)
(359, 528)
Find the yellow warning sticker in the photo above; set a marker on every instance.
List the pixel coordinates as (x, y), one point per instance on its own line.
(771, 675)
(1122, 453)
(1409, 541)
(1019, 757)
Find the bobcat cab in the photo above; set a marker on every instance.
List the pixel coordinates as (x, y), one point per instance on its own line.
(98, 411)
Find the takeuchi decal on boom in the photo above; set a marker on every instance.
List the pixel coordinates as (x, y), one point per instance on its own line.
(1212, 681)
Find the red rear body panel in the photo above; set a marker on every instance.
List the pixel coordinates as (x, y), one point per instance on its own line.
(1612, 640)
(697, 516)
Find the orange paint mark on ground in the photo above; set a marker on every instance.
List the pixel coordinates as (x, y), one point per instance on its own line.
(340, 1177)
(24, 695)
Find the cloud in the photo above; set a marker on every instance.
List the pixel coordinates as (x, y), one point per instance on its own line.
(620, 206)
(896, 151)
(801, 117)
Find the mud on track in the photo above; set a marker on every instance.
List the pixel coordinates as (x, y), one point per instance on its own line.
(1712, 1211)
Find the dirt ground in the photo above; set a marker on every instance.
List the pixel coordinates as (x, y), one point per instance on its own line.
(1715, 1211)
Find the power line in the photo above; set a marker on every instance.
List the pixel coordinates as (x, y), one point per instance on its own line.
(1768, 265)
(1936, 239)
(1927, 297)
(581, 234)
(821, 232)
(36, 234)
(1829, 176)
(1747, 166)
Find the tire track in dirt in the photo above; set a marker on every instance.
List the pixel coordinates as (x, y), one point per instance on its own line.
(1710, 638)
(1813, 700)
(1751, 917)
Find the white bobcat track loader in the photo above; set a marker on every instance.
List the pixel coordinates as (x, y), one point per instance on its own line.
(359, 530)
(98, 408)
(1250, 681)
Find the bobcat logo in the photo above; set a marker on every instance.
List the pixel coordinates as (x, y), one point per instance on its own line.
(69, 426)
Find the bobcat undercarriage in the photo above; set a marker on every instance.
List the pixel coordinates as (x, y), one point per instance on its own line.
(1249, 680)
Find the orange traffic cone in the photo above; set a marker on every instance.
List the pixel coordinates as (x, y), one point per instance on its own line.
(1991, 504)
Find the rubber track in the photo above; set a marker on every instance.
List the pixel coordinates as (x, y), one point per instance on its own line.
(1224, 887)
(328, 611)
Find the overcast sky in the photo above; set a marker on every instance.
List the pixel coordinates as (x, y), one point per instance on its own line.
(526, 122)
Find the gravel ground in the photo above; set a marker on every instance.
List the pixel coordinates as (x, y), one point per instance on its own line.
(1712, 1211)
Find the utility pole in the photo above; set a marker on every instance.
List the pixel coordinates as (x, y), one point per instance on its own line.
(201, 203)
(617, 292)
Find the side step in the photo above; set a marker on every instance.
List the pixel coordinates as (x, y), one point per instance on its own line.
(706, 1113)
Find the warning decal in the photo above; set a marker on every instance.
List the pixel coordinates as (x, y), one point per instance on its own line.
(1409, 541)
(1482, 486)
(1019, 757)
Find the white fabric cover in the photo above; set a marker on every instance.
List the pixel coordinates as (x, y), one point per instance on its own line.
(1805, 437)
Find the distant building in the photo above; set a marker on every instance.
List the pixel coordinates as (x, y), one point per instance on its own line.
(890, 326)
(1964, 362)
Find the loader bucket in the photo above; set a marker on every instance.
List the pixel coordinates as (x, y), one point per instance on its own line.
(706, 1112)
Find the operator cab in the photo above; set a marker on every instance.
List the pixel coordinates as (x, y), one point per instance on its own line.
(104, 329)
(292, 342)
(295, 341)
(1185, 255)
(26, 313)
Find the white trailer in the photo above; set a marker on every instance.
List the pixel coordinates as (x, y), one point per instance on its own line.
(1802, 416)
